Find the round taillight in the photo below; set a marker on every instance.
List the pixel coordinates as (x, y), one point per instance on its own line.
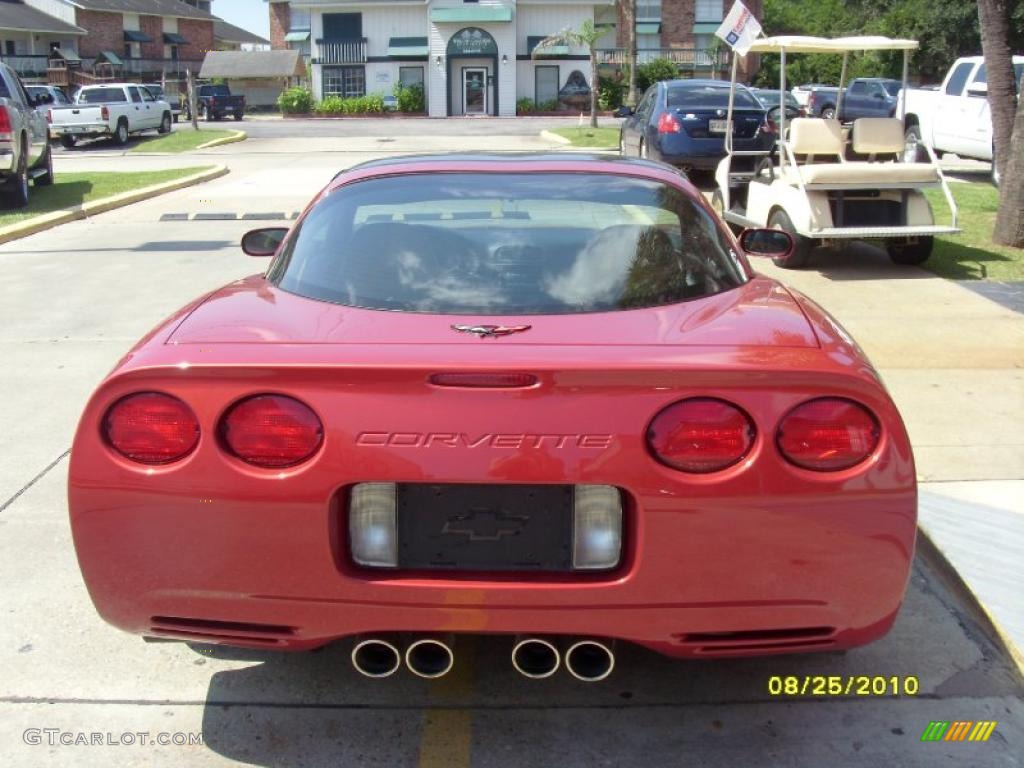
(700, 435)
(151, 428)
(271, 431)
(828, 434)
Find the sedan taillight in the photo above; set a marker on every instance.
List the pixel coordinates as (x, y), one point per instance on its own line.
(828, 434)
(667, 123)
(271, 431)
(700, 435)
(151, 428)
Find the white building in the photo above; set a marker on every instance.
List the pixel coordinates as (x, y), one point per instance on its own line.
(473, 57)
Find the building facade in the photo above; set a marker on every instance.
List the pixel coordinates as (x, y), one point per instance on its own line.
(475, 56)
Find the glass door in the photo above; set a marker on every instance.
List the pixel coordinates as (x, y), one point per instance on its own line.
(474, 91)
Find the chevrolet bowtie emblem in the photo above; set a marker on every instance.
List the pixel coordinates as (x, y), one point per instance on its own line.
(491, 331)
(485, 525)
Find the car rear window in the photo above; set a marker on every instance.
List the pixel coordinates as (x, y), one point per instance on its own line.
(519, 243)
(215, 90)
(696, 96)
(101, 95)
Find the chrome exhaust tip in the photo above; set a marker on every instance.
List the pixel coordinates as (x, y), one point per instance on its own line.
(374, 657)
(535, 658)
(429, 658)
(589, 660)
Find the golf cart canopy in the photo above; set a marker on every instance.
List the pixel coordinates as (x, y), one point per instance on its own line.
(805, 44)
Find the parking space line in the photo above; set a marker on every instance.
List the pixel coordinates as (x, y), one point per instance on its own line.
(446, 737)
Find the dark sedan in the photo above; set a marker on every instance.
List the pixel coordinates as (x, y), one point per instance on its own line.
(683, 123)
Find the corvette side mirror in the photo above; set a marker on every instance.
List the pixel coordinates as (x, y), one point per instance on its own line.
(263, 242)
(772, 243)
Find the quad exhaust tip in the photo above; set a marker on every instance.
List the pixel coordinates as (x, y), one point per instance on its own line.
(589, 660)
(535, 658)
(429, 658)
(376, 658)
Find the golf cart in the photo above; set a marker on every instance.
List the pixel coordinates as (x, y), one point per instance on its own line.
(826, 183)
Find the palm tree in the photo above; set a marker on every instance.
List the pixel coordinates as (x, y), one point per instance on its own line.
(1007, 129)
(629, 20)
(585, 36)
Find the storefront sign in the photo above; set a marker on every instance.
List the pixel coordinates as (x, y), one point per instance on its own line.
(472, 42)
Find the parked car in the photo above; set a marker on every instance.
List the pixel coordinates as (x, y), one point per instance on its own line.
(769, 98)
(214, 102)
(113, 109)
(160, 95)
(682, 123)
(954, 118)
(46, 95)
(866, 97)
(802, 92)
(544, 398)
(24, 142)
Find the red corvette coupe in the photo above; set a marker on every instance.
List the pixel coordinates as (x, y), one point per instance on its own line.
(541, 397)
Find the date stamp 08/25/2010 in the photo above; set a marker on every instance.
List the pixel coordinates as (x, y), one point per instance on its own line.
(843, 685)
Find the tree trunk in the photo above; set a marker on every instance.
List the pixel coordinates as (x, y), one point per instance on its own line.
(629, 19)
(1009, 228)
(994, 18)
(593, 87)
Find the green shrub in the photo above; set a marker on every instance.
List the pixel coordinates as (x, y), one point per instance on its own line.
(548, 106)
(357, 105)
(525, 106)
(410, 98)
(610, 93)
(295, 101)
(653, 72)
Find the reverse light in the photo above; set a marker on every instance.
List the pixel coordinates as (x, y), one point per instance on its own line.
(151, 428)
(828, 434)
(597, 527)
(667, 123)
(700, 435)
(372, 525)
(271, 431)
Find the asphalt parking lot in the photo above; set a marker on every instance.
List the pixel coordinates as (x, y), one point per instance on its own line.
(80, 295)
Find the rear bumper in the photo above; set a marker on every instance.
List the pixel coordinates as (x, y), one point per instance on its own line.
(704, 154)
(83, 129)
(783, 569)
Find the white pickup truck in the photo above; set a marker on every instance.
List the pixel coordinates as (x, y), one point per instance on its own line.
(954, 118)
(111, 109)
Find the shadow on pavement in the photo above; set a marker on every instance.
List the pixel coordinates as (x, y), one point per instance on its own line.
(314, 709)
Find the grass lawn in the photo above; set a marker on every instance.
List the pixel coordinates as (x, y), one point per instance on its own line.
(600, 138)
(971, 254)
(182, 140)
(70, 189)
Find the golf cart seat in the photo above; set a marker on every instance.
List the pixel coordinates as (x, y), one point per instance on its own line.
(812, 138)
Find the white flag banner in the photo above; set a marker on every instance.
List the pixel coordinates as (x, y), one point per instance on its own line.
(740, 28)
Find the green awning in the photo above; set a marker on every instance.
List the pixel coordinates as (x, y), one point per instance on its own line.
(552, 50)
(467, 14)
(706, 27)
(648, 28)
(134, 36)
(297, 37)
(173, 38)
(408, 46)
(112, 57)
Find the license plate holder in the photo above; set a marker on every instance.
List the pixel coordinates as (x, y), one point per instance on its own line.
(718, 126)
(469, 527)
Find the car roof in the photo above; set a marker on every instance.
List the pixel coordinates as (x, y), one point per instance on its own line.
(509, 162)
(698, 81)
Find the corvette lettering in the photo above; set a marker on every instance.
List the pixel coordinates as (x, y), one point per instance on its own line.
(487, 440)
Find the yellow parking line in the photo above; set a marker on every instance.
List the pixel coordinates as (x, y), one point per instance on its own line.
(447, 733)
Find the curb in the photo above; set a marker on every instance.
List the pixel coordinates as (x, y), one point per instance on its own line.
(956, 583)
(235, 136)
(56, 218)
(554, 137)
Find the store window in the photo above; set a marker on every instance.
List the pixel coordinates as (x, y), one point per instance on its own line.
(344, 81)
(410, 76)
(545, 87)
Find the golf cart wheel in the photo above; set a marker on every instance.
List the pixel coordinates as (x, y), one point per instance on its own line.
(911, 253)
(801, 254)
(913, 146)
(67, 141)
